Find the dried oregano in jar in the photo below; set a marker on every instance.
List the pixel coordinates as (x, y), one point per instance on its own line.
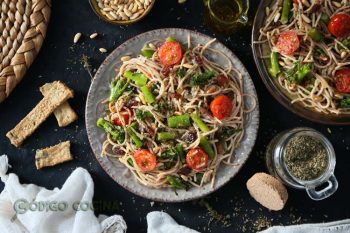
(306, 157)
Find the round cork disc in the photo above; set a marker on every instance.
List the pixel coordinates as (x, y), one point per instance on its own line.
(268, 191)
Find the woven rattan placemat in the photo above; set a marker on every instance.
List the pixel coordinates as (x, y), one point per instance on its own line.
(23, 27)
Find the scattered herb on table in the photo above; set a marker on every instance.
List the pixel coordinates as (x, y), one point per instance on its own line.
(86, 64)
(215, 215)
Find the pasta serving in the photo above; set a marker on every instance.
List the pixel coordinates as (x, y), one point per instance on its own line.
(174, 115)
(309, 44)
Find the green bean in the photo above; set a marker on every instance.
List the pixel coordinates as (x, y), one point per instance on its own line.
(179, 121)
(130, 161)
(315, 35)
(207, 147)
(346, 42)
(146, 51)
(176, 183)
(136, 140)
(139, 78)
(285, 11)
(117, 88)
(325, 18)
(275, 66)
(163, 136)
(198, 121)
(170, 39)
(148, 94)
(181, 152)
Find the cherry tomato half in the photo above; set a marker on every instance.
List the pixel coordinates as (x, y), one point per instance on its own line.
(170, 53)
(221, 106)
(288, 42)
(126, 117)
(342, 80)
(145, 160)
(197, 159)
(339, 25)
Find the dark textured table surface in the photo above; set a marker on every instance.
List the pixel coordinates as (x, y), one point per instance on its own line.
(59, 59)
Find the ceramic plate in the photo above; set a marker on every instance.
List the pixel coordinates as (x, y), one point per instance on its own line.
(99, 90)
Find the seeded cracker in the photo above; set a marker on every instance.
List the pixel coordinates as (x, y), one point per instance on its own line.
(53, 155)
(57, 95)
(64, 114)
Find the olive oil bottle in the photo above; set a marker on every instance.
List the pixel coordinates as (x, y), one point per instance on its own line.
(223, 16)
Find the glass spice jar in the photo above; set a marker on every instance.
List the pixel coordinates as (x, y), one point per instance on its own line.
(276, 164)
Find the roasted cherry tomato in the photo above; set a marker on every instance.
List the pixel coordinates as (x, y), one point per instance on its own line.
(339, 25)
(221, 106)
(197, 159)
(342, 80)
(170, 53)
(288, 42)
(296, 2)
(145, 160)
(126, 117)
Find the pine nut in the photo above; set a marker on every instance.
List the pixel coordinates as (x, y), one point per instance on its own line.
(277, 16)
(134, 16)
(124, 9)
(103, 50)
(93, 35)
(336, 4)
(306, 19)
(125, 58)
(77, 37)
(343, 54)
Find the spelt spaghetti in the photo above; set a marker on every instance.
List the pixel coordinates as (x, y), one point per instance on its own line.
(326, 55)
(174, 95)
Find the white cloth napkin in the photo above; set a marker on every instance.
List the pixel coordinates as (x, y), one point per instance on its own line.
(331, 227)
(160, 222)
(78, 187)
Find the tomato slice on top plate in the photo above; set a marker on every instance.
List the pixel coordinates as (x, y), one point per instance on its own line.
(288, 42)
(342, 80)
(221, 107)
(197, 159)
(339, 25)
(126, 117)
(170, 53)
(145, 160)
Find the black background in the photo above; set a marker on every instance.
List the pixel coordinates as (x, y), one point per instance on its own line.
(59, 59)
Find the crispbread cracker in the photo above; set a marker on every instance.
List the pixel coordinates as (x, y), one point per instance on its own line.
(58, 94)
(64, 113)
(53, 155)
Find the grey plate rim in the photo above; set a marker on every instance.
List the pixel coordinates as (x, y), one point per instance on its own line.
(186, 195)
